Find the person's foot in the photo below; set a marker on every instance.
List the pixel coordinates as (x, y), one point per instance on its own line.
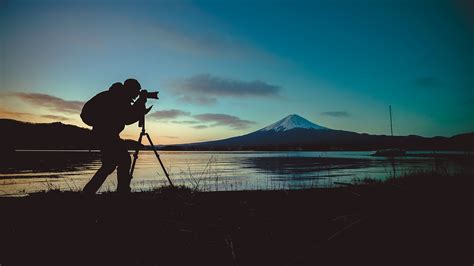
(124, 190)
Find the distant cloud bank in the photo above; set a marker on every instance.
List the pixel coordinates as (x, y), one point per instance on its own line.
(206, 89)
(224, 120)
(202, 121)
(56, 109)
(62, 109)
(167, 114)
(55, 117)
(10, 114)
(50, 102)
(336, 114)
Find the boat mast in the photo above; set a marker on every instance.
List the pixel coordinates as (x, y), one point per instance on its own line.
(391, 127)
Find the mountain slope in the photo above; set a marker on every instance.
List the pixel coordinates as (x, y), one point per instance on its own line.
(296, 133)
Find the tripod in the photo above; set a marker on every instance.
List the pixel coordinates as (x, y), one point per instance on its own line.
(141, 124)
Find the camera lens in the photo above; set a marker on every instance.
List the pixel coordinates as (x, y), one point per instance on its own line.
(152, 95)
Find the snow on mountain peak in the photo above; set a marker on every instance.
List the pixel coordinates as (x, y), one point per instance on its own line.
(290, 122)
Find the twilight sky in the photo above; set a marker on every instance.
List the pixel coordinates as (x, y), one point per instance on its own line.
(226, 68)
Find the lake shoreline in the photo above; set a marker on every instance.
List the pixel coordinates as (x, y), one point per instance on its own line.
(27, 172)
(402, 221)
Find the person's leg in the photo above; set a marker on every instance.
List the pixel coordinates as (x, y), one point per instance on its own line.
(123, 169)
(98, 179)
(109, 163)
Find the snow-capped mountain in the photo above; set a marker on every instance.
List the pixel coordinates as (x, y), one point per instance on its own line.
(296, 133)
(291, 122)
(291, 132)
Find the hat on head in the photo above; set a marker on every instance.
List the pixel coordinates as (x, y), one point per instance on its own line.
(132, 84)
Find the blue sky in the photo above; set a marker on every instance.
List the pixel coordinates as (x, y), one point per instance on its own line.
(225, 68)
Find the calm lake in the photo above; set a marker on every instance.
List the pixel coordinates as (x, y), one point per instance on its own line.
(30, 171)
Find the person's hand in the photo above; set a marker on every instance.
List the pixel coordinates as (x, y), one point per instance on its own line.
(147, 110)
(142, 97)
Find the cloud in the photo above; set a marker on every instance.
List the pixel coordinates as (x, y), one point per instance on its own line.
(428, 82)
(55, 117)
(198, 100)
(186, 122)
(224, 120)
(200, 126)
(169, 137)
(51, 102)
(205, 89)
(4, 113)
(168, 114)
(336, 113)
(202, 121)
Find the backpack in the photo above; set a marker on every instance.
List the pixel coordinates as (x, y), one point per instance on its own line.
(92, 111)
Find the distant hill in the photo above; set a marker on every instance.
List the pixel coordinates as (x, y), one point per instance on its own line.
(21, 135)
(291, 133)
(296, 133)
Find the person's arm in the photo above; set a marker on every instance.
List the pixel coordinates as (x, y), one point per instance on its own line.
(135, 112)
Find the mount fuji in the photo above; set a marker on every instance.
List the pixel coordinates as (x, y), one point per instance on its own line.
(291, 122)
(297, 133)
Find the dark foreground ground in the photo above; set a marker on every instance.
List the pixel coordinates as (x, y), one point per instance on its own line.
(418, 220)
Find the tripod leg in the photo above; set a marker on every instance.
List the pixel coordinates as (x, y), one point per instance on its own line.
(135, 155)
(158, 157)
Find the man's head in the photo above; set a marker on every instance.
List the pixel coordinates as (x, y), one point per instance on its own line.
(132, 87)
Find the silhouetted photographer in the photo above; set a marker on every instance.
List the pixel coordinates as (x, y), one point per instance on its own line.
(108, 113)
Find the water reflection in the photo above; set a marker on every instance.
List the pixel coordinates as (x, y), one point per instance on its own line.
(282, 165)
(52, 162)
(25, 172)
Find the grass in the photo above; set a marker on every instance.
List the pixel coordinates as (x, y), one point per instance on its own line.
(207, 179)
(417, 179)
(419, 218)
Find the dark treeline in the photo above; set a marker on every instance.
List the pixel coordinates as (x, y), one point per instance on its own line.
(21, 135)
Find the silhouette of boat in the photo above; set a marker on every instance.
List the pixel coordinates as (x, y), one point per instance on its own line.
(390, 152)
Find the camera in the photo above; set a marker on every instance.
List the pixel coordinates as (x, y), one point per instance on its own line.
(149, 95)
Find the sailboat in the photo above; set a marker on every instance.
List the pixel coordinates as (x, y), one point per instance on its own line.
(390, 152)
